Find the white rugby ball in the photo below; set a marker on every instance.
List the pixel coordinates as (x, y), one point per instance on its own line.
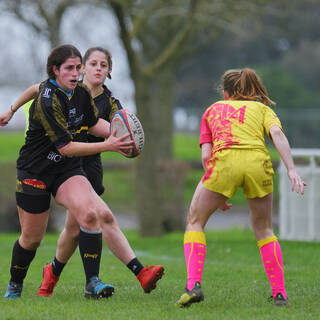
(127, 122)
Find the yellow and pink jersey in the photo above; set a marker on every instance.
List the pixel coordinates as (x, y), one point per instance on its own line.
(237, 124)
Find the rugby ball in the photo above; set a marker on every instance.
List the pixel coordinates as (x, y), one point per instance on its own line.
(127, 122)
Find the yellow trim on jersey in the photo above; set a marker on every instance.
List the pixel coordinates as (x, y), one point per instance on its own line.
(82, 129)
(26, 108)
(69, 97)
(195, 236)
(263, 242)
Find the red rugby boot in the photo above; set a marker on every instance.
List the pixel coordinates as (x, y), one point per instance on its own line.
(149, 276)
(48, 283)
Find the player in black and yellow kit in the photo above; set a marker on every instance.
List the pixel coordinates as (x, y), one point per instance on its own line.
(60, 117)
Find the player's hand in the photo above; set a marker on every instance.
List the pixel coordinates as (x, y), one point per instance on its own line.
(225, 206)
(118, 144)
(296, 182)
(5, 117)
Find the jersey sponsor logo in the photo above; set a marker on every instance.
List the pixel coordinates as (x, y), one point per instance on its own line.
(35, 183)
(47, 93)
(78, 119)
(56, 157)
(72, 112)
(221, 118)
(74, 121)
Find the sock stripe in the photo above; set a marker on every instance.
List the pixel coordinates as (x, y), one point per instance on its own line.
(275, 255)
(91, 231)
(263, 242)
(194, 236)
(189, 258)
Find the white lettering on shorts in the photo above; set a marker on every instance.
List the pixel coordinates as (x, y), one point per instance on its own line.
(56, 157)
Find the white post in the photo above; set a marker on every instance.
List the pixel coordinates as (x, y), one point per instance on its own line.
(294, 208)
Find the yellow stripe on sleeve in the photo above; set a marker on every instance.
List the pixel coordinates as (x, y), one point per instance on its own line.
(82, 129)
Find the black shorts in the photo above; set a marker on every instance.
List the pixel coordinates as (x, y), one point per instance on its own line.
(92, 167)
(33, 191)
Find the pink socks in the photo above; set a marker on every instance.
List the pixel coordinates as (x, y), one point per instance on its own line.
(273, 264)
(195, 254)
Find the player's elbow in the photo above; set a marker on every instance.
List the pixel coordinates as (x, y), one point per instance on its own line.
(275, 132)
(66, 150)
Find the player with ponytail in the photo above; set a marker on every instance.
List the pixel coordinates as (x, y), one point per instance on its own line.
(234, 155)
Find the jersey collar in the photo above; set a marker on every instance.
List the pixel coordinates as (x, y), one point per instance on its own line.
(68, 93)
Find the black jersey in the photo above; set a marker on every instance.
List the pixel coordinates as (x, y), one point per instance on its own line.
(107, 106)
(55, 119)
(92, 165)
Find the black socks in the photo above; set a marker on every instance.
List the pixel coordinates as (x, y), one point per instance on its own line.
(135, 266)
(90, 246)
(57, 267)
(20, 262)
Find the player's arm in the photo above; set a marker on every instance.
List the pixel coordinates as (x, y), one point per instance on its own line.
(206, 149)
(281, 143)
(25, 97)
(112, 144)
(100, 129)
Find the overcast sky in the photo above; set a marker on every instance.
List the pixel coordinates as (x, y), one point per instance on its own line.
(24, 54)
(24, 65)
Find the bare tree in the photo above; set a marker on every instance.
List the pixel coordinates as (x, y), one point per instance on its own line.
(158, 36)
(44, 16)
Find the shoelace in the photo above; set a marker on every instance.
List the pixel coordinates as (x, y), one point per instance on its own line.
(96, 281)
(149, 268)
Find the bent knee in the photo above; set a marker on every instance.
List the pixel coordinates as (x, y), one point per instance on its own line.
(192, 219)
(106, 216)
(88, 218)
(29, 243)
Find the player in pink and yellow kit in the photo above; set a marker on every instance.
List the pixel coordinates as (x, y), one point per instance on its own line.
(234, 155)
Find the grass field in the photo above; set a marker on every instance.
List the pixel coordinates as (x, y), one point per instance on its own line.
(186, 148)
(234, 282)
(120, 182)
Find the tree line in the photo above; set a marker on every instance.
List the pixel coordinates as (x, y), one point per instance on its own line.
(176, 52)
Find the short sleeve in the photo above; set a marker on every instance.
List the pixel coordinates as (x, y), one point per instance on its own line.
(205, 131)
(115, 106)
(270, 120)
(48, 111)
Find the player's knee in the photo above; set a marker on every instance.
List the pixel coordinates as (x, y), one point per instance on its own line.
(89, 218)
(106, 216)
(30, 243)
(192, 219)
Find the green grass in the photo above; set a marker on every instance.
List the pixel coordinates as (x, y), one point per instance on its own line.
(234, 282)
(10, 143)
(120, 183)
(186, 148)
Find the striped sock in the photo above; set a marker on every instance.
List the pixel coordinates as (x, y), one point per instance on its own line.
(273, 264)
